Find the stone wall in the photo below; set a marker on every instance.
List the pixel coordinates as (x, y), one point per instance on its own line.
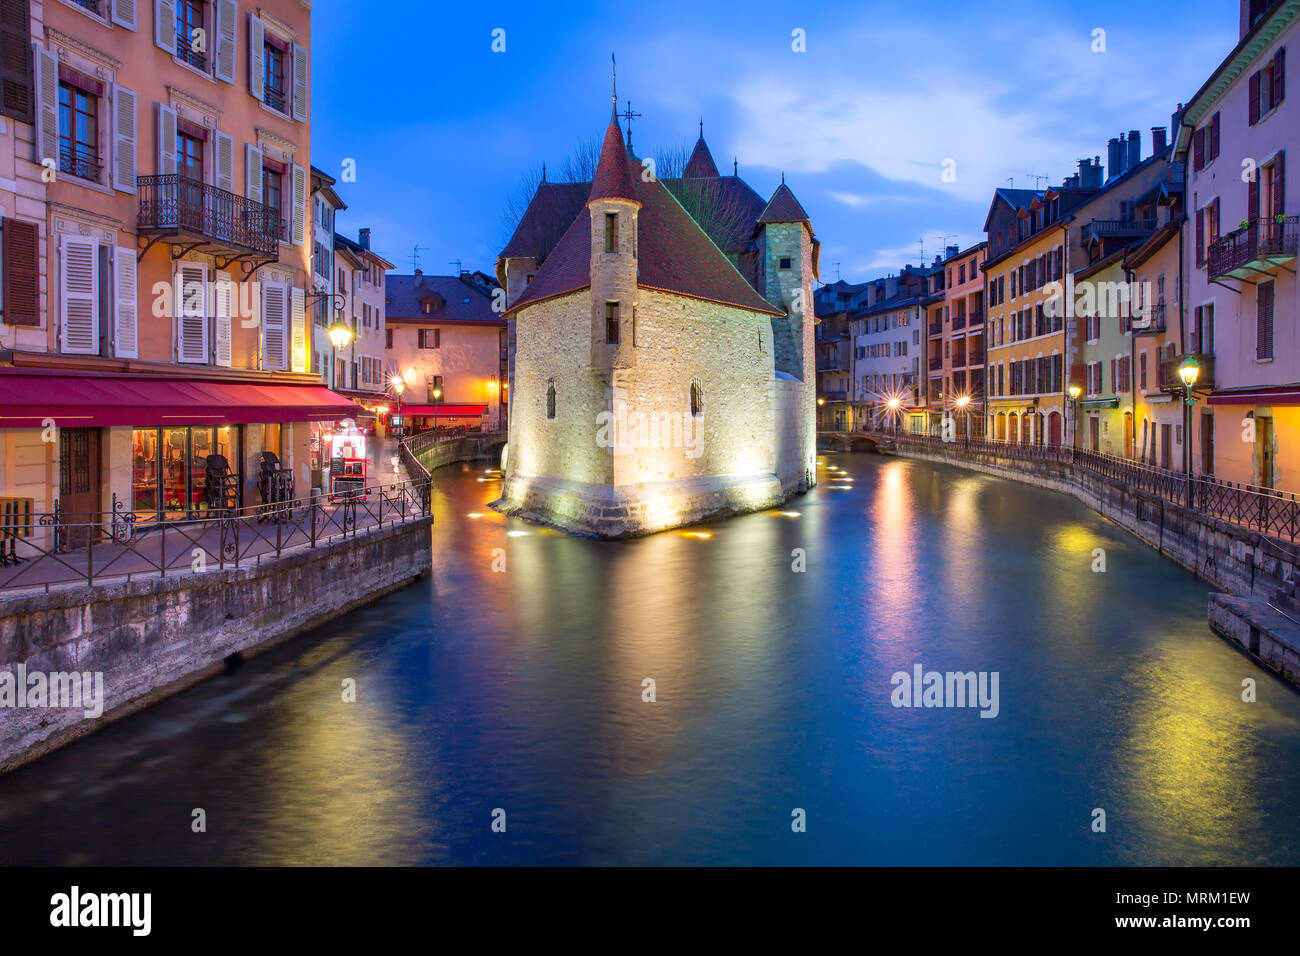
(153, 637)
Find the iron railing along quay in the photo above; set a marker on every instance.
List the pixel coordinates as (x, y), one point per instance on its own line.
(61, 548)
(1266, 510)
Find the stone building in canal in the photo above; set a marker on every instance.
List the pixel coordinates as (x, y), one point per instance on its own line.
(662, 348)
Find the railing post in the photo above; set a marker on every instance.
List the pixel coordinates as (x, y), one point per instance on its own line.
(90, 552)
(315, 503)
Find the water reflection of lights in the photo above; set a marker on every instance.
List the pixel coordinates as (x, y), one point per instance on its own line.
(789, 514)
(476, 514)
(516, 534)
(696, 534)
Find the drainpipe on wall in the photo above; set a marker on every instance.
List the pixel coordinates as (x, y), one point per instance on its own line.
(1132, 351)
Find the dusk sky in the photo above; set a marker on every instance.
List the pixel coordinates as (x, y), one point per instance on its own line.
(443, 130)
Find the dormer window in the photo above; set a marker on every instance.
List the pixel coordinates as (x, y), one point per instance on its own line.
(428, 307)
(611, 232)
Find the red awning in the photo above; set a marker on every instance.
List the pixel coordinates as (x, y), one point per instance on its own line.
(1266, 395)
(443, 411)
(27, 400)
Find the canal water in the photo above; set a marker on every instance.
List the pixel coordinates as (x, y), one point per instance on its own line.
(521, 690)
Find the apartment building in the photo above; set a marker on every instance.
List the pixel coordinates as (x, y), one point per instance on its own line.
(833, 305)
(326, 204)
(1239, 255)
(889, 348)
(959, 343)
(158, 312)
(448, 344)
(362, 370)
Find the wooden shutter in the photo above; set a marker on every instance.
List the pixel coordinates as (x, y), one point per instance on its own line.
(1254, 98)
(301, 75)
(1214, 136)
(1279, 184)
(126, 313)
(1252, 196)
(253, 173)
(47, 105)
(192, 313)
(166, 127)
(1200, 237)
(256, 57)
(124, 139)
(1279, 76)
(298, 330)
(227, 21)
(22, 272)
(164, 25)
(17, 83)
(1198, 149)
(224, 300)
(299, 206)
(79, 295)
(1264, 321)
(225, 150)
(274, 315)
(124, 13)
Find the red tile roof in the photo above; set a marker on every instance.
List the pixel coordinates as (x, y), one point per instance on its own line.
(701, 164)
(613, 175)
(783, 207)
(674, 255)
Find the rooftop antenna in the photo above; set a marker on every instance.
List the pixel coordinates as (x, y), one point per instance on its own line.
(943, 240)
(414, 258)
(922, 244)
(457, 264)
(837, 271)
(629, 116)
(1036, 177)
(735, 166)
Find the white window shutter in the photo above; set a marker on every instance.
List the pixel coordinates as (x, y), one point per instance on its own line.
(126, 332)
(191, 313)
(124, 139)
(256, 57)
(299, 206)
(227, 14)
(298, 329)
(301, 75)
(124, 13)
(164, 25)
(166, 126)
(47, 103)
(224, 297)
(274, 309)
(79, 298)
(253, 173)
(225, 149)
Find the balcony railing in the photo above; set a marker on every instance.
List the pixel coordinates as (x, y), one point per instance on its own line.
(80, 162)
(1117, 228)
(1259, 247)
(958, 322)
(1169, 380)
(832, 364)
(177, 205)
(94, 6)
(1153, 321)
(936, 364)
(936, 328)
(976, 317)
(185, 51)
(836, 395)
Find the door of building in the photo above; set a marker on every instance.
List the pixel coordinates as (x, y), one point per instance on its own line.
(1264, 446)
(1207, 443)
(1054, 428)
(1094, 433)
(79, 450)
(1166, 445)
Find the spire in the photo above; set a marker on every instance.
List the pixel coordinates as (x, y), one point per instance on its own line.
(613, 179)
(735, 166)
(783, 207)
(543, 172)
(700, 165)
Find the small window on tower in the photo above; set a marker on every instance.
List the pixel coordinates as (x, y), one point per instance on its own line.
(785, 263)
(611, 232)
(697, 400)
(611, 323)
(550, 399)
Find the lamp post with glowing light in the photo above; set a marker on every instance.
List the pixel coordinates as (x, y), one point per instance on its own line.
(895, 405)
(1074, 392)
(963, 405)
(339, 335)
(399, 386)
(1189, 370)
(437, 397)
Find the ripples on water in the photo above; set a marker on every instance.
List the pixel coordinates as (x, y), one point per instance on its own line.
(522, 690)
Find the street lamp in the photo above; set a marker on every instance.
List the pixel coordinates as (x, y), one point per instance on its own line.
(399, 386)
(437, 397)
(963, 404)
(895, 405)
(1074, 392)
(1189, 370)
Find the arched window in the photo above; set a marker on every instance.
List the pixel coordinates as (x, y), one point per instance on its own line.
(550, 398)
(697, 399)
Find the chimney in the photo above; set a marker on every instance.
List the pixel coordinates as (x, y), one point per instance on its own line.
(419, 278)
(1159, 140)
(953, 250)
(364, 237)
(1114, 157)
(1090, 173)
(1134, 149)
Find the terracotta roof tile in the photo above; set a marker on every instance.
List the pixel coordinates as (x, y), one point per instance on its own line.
(783, 207)
(701, 164)
(613, 174)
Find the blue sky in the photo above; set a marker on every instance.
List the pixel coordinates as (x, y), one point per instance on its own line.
(442, 129)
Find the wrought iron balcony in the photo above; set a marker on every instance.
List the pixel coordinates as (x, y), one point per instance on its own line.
(1153, 320)
(831, 364)
(1169, 380)
(836, 395)
(1261, 247)
(1117, 229)
(936, 328)
(958, 322)
(213, 220)
(94, 6)
(185, 51)
(976, 357)
(976, 318)
(936, 364)
(80, 162)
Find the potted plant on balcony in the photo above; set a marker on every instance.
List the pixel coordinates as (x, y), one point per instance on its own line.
(1243, 224)
(1279, 219)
